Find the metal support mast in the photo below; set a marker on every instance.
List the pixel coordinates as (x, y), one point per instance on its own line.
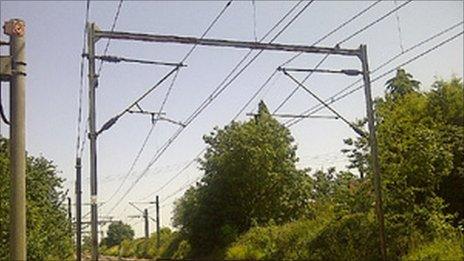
(360, 53)
(374, 149)
(157, 223)
(78, 208)
(93, 82)
(145, 217)
(69, 210)
(15, 28)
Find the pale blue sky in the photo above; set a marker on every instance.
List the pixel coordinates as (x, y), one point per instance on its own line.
(54, 42)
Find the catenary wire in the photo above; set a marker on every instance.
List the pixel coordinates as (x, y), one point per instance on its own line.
(375, 22)
(291, 122)
(208, 101)
(224, 83)
(113, 26)
(338, 28)
(145, 142)
(187, 55)
(253, 3)
(332, 100)
(295, 90)
(79, 146)
(267, 82)
(398, 25)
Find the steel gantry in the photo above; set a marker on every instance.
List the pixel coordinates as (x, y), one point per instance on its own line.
(95, 34)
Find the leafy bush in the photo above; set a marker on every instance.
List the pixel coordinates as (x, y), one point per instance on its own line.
(353, 237)
(183, 250)
(288, 241)
(172, 245)
(49, 235)
(440, 249)
(127, 248)
(111, 251)
(141, 247)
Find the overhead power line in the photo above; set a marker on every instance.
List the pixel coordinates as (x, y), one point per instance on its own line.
(113, 26)
(118, 59)
(266, 82)
(351, 36)
(79, 146)
(356, 129)
(263, 86)
(213, 96)
(226, 82)
(253, 3)
(398, 24)
(114, 119)
(147, 137)
(303, 81)
(334, 98)
(292, 122)
(144, 143)
(179, 190)
(190, 163)
(336, 29)
(375, 22)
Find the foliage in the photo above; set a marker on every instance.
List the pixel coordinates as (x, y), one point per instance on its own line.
(449, 248)
(285, 242)
(253, 203)
(48, 228)
(111, 251)
(402, 84)
(183, 250)
(145, 248)
(446, 106)
(420, 143)
(250, 178)
(353, 237)
(126, 248)
(418, 153)
(358, 152)
(117, 232)
(175, 245)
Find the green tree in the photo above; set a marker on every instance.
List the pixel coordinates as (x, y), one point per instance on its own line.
(403, 83)
(250, 179)
(446, 106)
(49, 235)
(117, 232)
(420, 145)
(358, 152)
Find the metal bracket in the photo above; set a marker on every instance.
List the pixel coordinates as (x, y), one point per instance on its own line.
(5, 68)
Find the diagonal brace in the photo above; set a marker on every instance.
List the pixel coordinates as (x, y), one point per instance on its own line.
(356, 129)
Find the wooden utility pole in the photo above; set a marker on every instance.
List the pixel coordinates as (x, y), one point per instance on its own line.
(15, 28)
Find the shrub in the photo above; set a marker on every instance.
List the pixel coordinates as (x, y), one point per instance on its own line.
(182, 251)
(440, 249)
(353, 237)
(141, 248)
(288, 241)
(111, 251)
(127, 248)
